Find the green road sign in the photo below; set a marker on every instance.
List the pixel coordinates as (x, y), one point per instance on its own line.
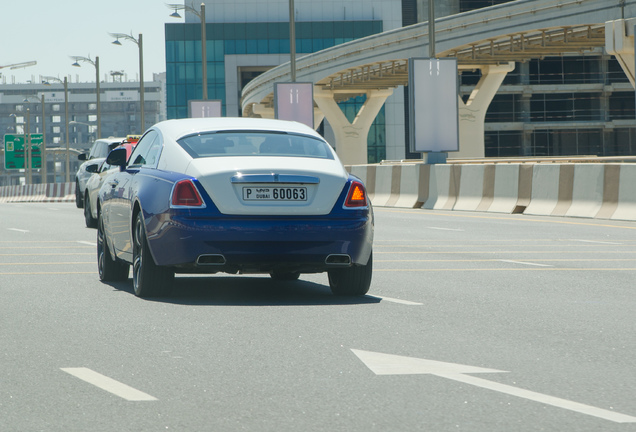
(15, 153)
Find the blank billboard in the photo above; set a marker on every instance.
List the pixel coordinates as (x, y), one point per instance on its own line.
(295, 102)
(205, 108)
(433, 105)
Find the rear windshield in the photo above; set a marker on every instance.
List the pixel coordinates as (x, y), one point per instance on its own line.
(250, 143)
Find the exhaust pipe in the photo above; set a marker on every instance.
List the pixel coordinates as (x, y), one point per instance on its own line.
(211, 260)
(338, 260)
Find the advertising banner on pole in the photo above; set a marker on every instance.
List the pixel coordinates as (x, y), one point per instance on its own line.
(295, 102)
(205, 108)
(433, 105)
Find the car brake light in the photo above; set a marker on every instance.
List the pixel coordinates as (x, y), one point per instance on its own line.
(357, 196)
(185, 194)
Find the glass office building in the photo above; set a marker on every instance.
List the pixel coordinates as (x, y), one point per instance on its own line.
(258, 40)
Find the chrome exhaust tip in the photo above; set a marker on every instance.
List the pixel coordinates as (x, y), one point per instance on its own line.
(211, 260)
(338, 260)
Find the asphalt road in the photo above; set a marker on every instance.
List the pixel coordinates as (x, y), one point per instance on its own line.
(474, 322)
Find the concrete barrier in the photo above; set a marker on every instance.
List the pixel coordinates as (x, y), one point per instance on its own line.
(588, 190)
(586, 199)
(505, 189)
(387, 179)
(611, 181)
(443, 187)
(52, 192)
(545, 190)
(404, 186)
(626, 200)
(471, 187)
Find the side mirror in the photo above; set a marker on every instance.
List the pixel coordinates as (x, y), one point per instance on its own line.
(82, 157)
(117, 157)
(92, 168)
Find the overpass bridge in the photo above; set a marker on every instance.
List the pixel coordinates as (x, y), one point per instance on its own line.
(491, 40)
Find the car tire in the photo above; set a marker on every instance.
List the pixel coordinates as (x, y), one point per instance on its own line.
(78, 196)
(91, 222)
(351, 281)
(285, 275)
(149, 279)
(109, 269)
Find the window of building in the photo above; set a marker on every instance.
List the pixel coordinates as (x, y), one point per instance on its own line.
(92, 118)
(615, 73)
(503, 143)
(55, 107)
(56, 119)
(566, 70)
(620, 141)
(621, 106)
(504, 108)
(92, 107)
(56, 129)
(19, 108)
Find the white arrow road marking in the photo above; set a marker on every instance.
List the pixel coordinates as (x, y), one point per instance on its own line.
(394, 300)
(109, 384)
(18, 230)
(598, 242)
(389, 364)
(526, 263)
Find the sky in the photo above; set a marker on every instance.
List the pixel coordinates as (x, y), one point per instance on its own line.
(50, 31)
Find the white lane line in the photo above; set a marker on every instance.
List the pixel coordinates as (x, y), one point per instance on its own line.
(598, 242)
(394, 300)
(445, 229)
(109, 384)
(87, 243)
(526, 263)
(18, 230)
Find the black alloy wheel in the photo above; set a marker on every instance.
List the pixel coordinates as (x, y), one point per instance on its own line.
(109, 269)
(149, 279)
(351, 281)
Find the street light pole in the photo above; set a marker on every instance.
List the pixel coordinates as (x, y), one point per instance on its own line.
(97, 87)
(292, 40)
(43, 147)
(431, 28)
(27, 142)
(140, 44)
(68, 161)
(204, 52)
(29, 145)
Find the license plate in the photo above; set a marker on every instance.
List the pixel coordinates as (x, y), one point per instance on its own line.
(275, 194)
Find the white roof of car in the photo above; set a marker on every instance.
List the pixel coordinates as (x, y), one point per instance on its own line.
(177, 129)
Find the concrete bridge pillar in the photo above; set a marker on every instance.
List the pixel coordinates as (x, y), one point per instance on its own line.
(472, 113)
(351, 138)
(619, 42)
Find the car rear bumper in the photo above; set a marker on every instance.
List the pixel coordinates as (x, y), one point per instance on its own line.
(259, 245)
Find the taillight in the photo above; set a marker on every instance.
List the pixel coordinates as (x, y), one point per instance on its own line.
(357, 196)
(185, 194)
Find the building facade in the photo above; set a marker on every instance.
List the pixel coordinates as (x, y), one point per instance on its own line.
(246, 38)
(568, 105)
(21, 109)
